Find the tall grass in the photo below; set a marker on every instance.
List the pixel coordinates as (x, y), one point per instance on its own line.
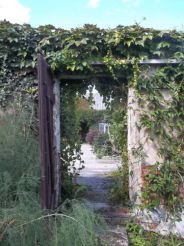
(27, 225)
(22, 222)
(19, 169)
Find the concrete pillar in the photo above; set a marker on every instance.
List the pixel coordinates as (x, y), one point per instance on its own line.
(133, 143)
(56, 141)
(142, 150)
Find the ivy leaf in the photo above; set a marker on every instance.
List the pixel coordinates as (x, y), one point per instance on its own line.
(77, 43)
(33, 64)
(129, 42)
(140, 42)
(84, 41)
(84, 63)
(22, 64)
(158, 52)
(163, 45)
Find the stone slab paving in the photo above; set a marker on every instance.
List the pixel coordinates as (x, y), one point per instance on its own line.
(95, 177)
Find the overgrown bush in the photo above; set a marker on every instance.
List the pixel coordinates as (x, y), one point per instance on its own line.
(117, 116)
(102, 145)
(89, 119)
(118, 192)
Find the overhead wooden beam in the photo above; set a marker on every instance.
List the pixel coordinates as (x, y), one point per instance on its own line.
(86, 77)
(160, 61)
(82, 76)
(147, 61)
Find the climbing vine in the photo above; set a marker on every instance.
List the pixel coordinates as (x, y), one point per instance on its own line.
(76, 51)
(119, 51)
(163, 120)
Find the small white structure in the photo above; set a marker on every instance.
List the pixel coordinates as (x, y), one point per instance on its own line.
(98, 102)
(103, 127)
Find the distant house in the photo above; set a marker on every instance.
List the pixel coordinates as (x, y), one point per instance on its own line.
(98, 102)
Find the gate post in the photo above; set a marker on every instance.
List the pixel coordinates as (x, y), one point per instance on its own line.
(56, 141)
(134, 162)
(143, 152)
(49, 135)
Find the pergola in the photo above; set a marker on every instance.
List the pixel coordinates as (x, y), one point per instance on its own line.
(49, 122)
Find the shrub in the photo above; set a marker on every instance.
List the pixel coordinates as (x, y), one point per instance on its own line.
(119, 192)
(102, 145)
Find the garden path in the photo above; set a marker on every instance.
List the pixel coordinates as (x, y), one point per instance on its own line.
(95, 176)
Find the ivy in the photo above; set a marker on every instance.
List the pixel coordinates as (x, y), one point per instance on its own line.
(164, 122)
(120, 50)
(75, 50)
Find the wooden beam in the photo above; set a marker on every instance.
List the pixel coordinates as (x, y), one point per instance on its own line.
(86, 77)
(81, 76)
(147, 61)
(159, 62)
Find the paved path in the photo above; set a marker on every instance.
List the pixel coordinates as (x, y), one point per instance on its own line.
(95, 177)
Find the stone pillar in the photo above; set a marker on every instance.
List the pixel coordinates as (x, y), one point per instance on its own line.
(56, 141)
(133, 143)
(142, 150)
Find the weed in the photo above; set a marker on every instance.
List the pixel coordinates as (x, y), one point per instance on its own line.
(139, 237)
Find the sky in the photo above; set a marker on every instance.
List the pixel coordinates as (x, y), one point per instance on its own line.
(159, 14)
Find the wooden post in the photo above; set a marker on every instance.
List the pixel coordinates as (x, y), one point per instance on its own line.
(49, 135)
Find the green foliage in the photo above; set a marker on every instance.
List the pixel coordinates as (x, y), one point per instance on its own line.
(89, 120)
(22, 221)
(102, 145)
(117, 117)
(80, 228)
(91, 116)
(75, 50)
(27, 224)
(135, 233)
(162, 185)
(19, 153)
(70, 142)
(120, 49)
(119, 193)
(163, 120)
(139, 237)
